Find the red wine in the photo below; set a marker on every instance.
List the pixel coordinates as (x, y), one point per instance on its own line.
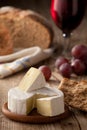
(67, 14)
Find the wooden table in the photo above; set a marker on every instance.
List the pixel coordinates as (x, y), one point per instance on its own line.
(78, 119)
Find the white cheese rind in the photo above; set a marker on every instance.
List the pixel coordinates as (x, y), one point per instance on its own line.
(20, 102)
(47, 91)
(33, 80)
(51, 106)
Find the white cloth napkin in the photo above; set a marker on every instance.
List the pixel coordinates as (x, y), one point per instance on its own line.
(17, 61)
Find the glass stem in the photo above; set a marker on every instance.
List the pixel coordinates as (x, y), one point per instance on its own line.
(66, 44)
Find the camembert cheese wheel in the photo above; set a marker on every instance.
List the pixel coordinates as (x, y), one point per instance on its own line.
(49, 102)
(33, 92)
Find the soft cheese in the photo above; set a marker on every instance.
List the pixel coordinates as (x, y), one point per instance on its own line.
(20, 102)
(47, 91)
(48, 101)
(44, 92)
(33, 79)
(51, 106)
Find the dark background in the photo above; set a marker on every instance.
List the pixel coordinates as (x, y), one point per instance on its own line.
(40, 6)
(27, 4)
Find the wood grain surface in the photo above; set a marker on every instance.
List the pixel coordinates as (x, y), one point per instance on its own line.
(78, 119)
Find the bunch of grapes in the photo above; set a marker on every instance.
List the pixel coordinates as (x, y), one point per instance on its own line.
(77, 64)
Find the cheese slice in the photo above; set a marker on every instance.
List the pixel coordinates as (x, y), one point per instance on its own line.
(51, 106)
(20, 102)
(44, 92)
(48, 101)
(33, 80)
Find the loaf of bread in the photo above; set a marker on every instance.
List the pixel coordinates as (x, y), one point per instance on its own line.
(26, 27)
(75, 93)
(6, 44)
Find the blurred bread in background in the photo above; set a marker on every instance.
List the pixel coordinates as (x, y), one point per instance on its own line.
(6, 44)
(26, 27)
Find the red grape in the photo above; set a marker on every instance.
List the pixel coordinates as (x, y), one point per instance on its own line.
(61, 60)
(66, 70)
(78, 67)
(79, 51)
(46, 71)
(84, 59)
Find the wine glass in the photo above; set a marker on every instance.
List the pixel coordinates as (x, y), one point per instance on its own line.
(67, 14)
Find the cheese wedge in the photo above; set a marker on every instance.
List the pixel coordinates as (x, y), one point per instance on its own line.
(20, 102)
(44, 92)
(48, 101)
(51, 106)
(33, 80)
